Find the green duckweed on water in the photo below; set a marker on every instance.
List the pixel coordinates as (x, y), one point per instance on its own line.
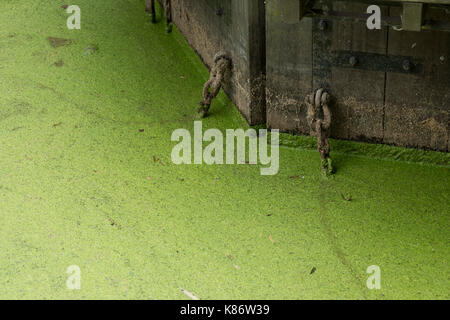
(86, 179)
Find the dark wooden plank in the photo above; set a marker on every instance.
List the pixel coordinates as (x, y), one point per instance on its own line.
(358, 113)
(417, 106)
(289, 70)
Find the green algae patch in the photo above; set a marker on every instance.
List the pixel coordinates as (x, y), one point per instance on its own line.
(86, 179)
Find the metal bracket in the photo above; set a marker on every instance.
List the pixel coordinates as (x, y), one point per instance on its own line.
(377, 62)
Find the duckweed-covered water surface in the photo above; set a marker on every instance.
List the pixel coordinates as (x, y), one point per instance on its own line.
(86, 179)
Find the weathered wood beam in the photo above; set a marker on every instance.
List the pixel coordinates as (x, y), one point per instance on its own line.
(292, 11)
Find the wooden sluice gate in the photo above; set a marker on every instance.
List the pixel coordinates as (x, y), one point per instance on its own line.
(386, 85)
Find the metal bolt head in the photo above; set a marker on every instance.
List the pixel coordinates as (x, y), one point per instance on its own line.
(406, 64)
(353, 61)
(322, 25)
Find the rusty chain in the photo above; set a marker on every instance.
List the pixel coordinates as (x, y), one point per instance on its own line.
(212, 86)
(319, 121)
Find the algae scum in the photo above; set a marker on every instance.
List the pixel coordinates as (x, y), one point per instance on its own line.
(86, 180)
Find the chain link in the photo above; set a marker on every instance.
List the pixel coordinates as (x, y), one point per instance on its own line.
(212, 86)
